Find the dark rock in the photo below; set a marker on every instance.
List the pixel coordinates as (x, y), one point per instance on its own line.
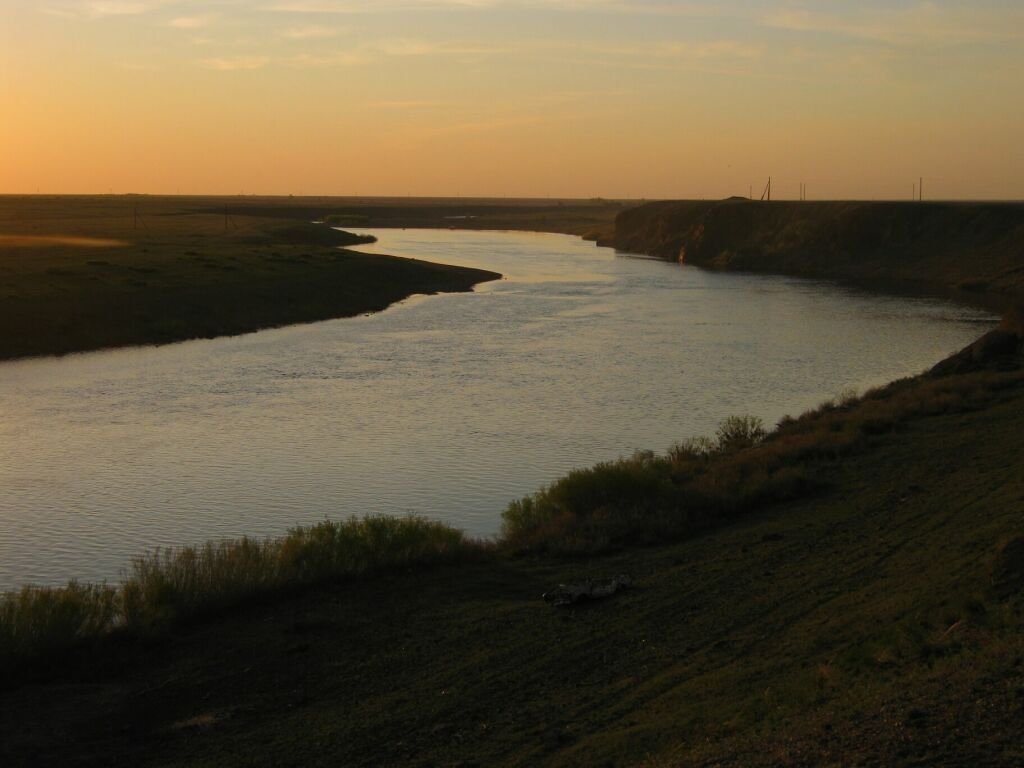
(1008, 568)
(992, 345)
(1013, 321)
(570, 594)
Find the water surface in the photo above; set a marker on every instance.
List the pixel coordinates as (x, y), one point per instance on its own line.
(447, 406)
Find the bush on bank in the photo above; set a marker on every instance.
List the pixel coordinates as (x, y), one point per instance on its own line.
(176, 583)
(644, 498)
(702, 482)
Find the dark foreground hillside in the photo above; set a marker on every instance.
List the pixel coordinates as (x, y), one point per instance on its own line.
(878, 621)
(975, 250)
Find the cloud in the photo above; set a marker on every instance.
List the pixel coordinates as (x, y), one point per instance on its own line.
(236, 63)
(406, 47)
(691, 51)
(408, 104)
(335, 59)
(311, 32)
(919, 24)
(103, 8)
(192, 22)
(660, 7)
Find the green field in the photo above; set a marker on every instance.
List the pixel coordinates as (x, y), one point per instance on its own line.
(82, 273)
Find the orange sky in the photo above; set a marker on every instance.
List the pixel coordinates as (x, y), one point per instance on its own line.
(575, 98)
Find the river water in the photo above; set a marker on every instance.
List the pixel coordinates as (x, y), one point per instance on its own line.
(447, 406)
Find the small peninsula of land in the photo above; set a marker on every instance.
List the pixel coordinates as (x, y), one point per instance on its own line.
(85, 273)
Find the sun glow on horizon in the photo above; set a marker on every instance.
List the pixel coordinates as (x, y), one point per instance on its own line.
(567, 98)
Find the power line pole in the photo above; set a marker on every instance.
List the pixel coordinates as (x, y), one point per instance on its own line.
(920, 189)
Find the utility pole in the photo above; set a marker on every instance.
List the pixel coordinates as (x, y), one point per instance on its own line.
(920, 189)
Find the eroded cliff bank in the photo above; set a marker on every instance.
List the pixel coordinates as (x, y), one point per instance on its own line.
(974, 249)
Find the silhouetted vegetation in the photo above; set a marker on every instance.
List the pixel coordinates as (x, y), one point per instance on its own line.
(702, 482)
(173, 584)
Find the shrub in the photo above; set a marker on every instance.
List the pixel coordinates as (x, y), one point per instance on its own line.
(180, 582)
(172, 584)
(646, 498)
(691, 449)
(597, 499)
(44, 619)
(739, 432)
(1008, 567)
(702, 480)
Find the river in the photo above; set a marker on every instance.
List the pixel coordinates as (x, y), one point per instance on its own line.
(446, 406)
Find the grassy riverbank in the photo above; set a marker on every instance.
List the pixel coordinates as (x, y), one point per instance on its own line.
(82, 273)
(870, 612)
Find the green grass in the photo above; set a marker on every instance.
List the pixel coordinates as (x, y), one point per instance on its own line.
(182, 269)
(173, 584)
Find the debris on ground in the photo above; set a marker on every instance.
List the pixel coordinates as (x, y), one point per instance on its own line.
(570, 594)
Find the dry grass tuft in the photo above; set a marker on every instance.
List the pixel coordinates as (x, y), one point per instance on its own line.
(173, 584)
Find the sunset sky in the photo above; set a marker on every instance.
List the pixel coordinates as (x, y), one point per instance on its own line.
(582, 98)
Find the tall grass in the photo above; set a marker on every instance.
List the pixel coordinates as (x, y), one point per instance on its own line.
(703, 481)
(39, 620)
(645, 498)
(172, 584)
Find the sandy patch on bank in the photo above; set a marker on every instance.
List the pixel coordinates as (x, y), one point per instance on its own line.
(41, 241)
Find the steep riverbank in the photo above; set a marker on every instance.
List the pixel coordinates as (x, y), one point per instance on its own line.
(972, 251)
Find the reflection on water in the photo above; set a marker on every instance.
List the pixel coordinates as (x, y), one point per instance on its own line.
(448, 406)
